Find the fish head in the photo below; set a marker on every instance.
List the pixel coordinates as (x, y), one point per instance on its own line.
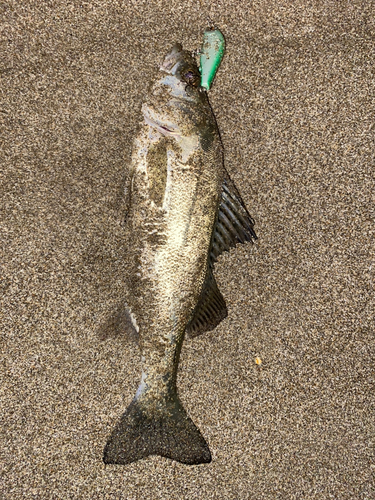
(177, 105)
(181, 65)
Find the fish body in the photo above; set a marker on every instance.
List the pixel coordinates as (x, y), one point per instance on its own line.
(178, 189)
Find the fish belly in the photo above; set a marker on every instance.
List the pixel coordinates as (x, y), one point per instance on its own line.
(175, 267)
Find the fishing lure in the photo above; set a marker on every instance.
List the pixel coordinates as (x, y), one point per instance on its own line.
(212, 53)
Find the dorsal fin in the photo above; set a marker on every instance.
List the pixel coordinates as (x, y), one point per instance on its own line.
(210, 310)
(233, 225)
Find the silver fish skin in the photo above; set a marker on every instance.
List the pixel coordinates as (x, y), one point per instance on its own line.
(184, 211)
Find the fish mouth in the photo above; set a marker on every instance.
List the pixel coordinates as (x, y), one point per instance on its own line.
(172, 58)
(161, 128)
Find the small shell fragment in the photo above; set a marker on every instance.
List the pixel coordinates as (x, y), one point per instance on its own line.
(258, 361)
(211, 56)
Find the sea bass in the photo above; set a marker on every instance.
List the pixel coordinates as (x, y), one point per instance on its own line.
(184, 212)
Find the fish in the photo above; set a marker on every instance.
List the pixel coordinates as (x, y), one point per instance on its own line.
(184, 211)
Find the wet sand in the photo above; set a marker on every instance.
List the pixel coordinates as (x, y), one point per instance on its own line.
(294, 100)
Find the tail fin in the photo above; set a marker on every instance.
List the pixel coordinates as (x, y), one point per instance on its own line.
(166, 431)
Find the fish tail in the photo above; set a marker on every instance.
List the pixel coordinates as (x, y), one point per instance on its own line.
(162, 429)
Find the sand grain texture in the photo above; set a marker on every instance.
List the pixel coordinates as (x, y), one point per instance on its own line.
(294, 100)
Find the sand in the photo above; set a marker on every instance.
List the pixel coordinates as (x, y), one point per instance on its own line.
(294, 100)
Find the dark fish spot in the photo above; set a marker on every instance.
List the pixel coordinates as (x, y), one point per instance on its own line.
(157, 170)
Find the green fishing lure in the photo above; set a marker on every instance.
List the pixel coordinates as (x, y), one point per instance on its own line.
(212, 53)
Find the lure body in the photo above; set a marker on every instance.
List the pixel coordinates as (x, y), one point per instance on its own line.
(211, 56)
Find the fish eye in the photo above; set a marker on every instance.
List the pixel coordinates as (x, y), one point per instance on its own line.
(191, 78)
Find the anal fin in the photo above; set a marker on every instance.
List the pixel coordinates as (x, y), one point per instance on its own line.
(120, 322)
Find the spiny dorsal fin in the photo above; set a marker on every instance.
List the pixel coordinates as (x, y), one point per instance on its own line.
(234, 223)
(210, 309)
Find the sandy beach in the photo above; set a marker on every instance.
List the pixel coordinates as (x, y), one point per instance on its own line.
(294, 101)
